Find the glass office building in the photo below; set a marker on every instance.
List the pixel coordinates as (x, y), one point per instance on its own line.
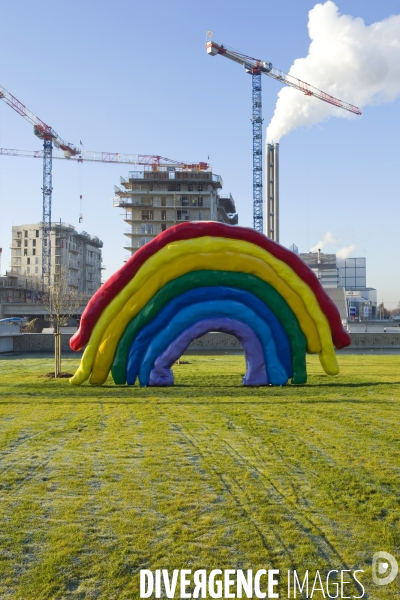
(352, 273)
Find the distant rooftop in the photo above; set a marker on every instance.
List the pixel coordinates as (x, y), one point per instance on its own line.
(91, 239)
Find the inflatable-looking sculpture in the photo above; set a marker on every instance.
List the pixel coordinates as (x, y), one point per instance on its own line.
(198, 277)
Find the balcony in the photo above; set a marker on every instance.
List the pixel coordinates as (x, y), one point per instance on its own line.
(193, 202)
(137, 243)
(144, 230)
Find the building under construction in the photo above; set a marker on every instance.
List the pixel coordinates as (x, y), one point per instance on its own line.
(157, 196)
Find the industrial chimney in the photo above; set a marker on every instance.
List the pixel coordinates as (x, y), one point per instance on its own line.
(272, 191)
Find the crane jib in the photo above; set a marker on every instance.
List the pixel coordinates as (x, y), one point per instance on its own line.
(256, 68)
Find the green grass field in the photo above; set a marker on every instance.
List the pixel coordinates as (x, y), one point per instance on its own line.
(99, 482)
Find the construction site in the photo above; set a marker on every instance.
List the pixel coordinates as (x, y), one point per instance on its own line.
(199, 345)
(158, 196)
(157, 193)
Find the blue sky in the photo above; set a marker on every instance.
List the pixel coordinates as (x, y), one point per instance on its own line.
(134, 77)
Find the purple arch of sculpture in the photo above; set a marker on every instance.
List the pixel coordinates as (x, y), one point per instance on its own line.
(256, 374)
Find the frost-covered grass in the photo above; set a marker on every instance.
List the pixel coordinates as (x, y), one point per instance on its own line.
(99, 482)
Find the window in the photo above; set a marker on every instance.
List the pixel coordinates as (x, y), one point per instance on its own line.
(200, 187)
(163, 201)
(200, 201)
(163, 215)
(171, 188)
(33, 242)
(26, 243)
(147, 229)
(36, 261)
(19, 244)
(200, 215)
(190, 187)
(28, 261)
(163, 226)
(34, 252)
(147, 215)
(28, 270)
(182, 215)
(178, 187)
(36, 270)
(26, 233)
(37, 232)
(25, 252)
(19, 234)
(145, 240)
(184, 201)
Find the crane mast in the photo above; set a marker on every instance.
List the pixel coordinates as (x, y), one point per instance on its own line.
(49, 137)
(257, 121)
(256, 68)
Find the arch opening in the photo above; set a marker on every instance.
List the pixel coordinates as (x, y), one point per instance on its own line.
(162, 375)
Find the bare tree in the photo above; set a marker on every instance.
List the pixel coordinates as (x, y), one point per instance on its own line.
(61, 301)
(395, 312)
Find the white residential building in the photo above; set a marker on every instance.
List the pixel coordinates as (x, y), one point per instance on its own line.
(78, 253)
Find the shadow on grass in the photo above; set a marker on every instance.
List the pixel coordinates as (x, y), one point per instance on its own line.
(183, 394)
(166, 402)
(207, 386)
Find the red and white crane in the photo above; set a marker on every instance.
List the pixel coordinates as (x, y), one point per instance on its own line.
(256, 68)
(49, 137)
(70, 152)
(153, 160)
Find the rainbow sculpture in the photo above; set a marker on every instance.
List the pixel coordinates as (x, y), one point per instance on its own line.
(208, 276)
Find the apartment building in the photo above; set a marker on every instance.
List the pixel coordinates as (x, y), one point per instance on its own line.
(79, 254)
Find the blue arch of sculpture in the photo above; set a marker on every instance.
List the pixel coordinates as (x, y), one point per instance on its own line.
(160, 322)
(187, 316)
(193, 297)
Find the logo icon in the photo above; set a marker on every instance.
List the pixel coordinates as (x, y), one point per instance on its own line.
(384, 568)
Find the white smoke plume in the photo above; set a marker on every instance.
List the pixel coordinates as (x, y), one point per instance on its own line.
(330, 240)
(354, 62)
(327, 240)
(345, 251)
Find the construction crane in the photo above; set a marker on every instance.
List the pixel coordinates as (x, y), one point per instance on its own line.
(152, 160)
(69, 151)
(49, 137)
(256, 68)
